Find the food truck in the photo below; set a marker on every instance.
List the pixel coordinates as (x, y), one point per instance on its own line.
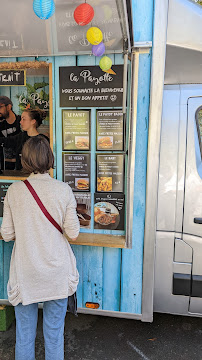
(127, 140)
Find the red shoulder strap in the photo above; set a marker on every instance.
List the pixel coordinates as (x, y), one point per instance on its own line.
(42, 207)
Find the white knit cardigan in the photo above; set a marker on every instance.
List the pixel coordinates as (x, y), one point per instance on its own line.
(43, 266)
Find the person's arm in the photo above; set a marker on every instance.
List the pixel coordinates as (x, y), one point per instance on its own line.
(71, 223)
(7, 227)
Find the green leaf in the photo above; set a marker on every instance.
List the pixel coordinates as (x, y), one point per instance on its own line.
(40, 85)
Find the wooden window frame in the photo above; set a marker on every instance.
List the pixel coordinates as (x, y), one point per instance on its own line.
(34, 65)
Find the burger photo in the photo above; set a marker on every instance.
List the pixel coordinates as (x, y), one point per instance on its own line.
(105, 142)
(82, 143)
(82, 184)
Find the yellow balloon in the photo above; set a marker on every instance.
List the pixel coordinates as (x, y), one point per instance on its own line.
(94, 35)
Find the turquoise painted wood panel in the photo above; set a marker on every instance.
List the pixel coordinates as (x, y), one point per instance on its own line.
(111, 279)
(92, 256)
(132, 260)
(99, 277)
(112, 258)
(92, 275)
(131, 287)
(77, 249)
(142, 15)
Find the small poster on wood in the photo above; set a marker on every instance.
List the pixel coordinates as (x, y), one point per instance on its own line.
(83, 209)
(109, 210)
(76, 130)
(110, 130)
(110, 173)
(76, 171)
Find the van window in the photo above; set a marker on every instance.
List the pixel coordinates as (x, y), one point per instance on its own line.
(198, 139)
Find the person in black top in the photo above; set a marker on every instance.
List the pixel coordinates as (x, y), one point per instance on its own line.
(31, 119)
(9, 126)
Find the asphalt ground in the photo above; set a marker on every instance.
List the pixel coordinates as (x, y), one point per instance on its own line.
(91, 337)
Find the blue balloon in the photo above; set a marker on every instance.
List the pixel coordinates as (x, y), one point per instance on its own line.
(44, 9)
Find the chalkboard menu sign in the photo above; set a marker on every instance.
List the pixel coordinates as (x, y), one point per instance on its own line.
(109, 211)
(110, 173)
(76, 130)
(12, 77)
(89, 86)
(110, 130)
(76, 171)
(3, 190)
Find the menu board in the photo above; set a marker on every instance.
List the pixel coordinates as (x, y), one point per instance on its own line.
(83, 209)
(12, 77)
(89, 86)
(110, 130)
(110, 173)
(109, 210)
(76, 171)
(3, 190)
(76, 130)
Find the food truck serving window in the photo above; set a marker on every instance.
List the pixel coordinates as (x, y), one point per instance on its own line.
(22, 87)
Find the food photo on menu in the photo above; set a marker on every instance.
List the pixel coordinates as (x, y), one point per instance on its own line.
(83, 209)
(109, 211)
(105, 142)
(76, 171)
(104, 183)
(110, 172)
(82, 184)
(82, 142)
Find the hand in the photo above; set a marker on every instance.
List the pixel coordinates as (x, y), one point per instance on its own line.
(74, 239)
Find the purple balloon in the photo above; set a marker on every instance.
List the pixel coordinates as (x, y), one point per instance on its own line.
(98, 50)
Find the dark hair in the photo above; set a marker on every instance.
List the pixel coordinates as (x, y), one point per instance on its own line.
(36, 114)
(37, 155)
(5, 100)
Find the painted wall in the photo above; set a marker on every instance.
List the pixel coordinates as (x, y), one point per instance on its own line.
(132, 260)
(111, 277)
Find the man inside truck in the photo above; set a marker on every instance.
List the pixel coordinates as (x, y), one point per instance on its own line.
(9, 126)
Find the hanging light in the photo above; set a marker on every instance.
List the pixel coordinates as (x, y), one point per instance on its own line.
(44, 9)
(105, 63)
(98, 50)
(94, 35)
(83, 14)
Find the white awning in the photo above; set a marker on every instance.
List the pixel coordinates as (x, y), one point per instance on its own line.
(185, 24)
(22, 33)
